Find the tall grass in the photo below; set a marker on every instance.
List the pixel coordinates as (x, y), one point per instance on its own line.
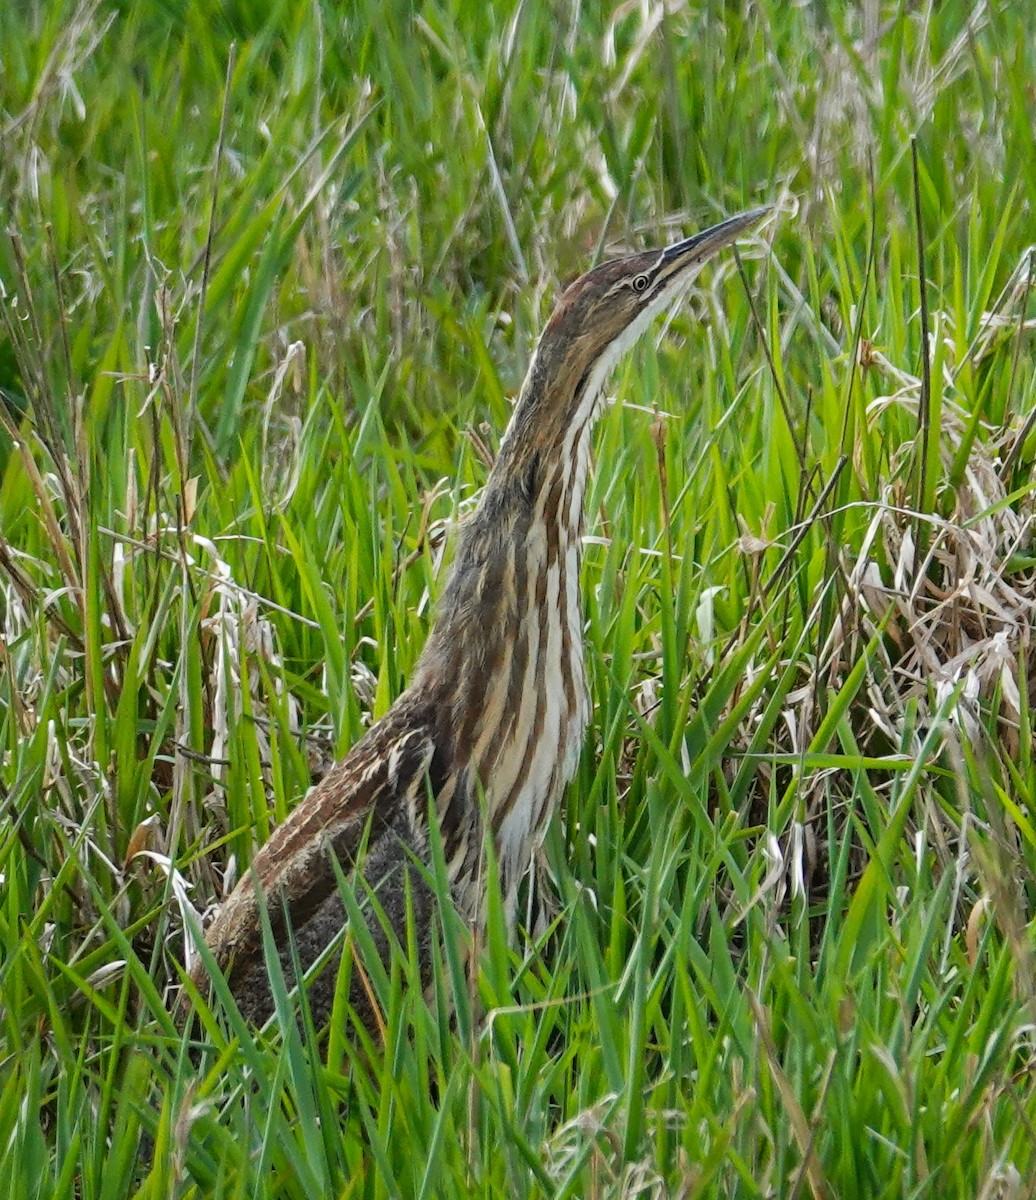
(269, 281)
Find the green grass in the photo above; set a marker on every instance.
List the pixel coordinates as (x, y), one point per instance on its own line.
(269, 282)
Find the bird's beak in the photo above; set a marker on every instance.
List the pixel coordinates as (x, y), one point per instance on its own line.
(703, 245)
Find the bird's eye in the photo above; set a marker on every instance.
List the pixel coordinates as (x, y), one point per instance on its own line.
(639, 283)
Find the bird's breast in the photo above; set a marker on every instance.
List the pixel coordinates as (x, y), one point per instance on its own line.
(538, 709)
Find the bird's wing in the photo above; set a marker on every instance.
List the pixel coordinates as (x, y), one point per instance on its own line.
(384, 777)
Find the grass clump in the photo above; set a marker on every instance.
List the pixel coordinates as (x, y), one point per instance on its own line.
(269, 279)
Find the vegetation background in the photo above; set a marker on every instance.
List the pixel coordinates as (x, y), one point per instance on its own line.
(270, 277)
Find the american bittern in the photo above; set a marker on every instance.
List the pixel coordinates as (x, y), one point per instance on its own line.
(492, 723)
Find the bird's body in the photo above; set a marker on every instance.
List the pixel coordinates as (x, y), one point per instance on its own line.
(493, 720)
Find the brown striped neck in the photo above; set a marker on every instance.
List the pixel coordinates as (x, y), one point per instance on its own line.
(529, 519)
(527, 523)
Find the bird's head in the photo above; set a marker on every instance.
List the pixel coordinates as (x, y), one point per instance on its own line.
(597, 319)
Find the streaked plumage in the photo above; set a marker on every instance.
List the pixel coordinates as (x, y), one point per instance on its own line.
(494, 718)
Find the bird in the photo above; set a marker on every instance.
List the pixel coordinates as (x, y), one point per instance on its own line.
(490, 729)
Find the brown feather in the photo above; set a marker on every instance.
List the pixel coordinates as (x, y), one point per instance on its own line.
(495, 714)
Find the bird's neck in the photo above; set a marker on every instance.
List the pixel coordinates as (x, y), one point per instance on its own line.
(520, 546)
